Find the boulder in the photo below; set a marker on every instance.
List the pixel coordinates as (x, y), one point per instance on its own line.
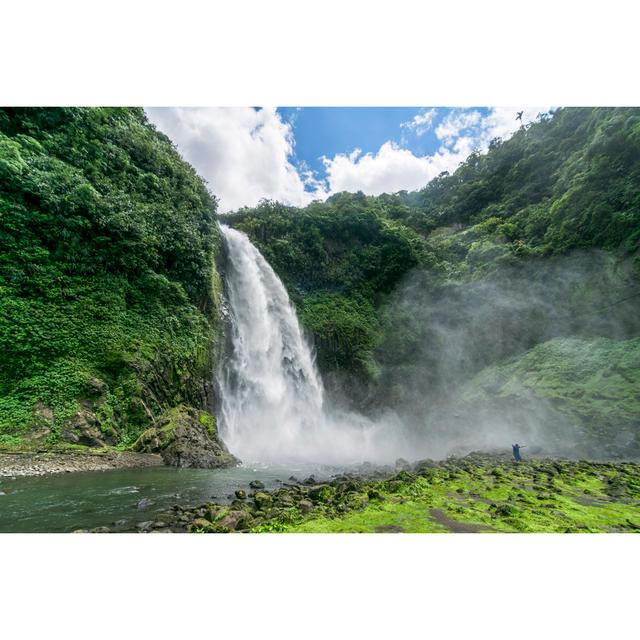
(186, 437)
(235, 520)
(305, 506)
(200, 524)
(241, 494)
(262, 500)
(256, 484)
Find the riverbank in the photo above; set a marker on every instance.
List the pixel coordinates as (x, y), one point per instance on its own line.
(16, 463)
(476, 493)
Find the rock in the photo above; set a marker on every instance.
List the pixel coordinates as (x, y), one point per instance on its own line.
(321, 493)
(85, 427)
(241, 494)
(144, 503)
(144, 526)
(262, 500)
(101, 530)
(285, 500)
(186, 437)
(305, 506)
(200, 524)
(235, 520)
(256, 484)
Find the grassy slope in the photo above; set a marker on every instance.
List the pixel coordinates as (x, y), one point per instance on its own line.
(596, 381)
(108, 284)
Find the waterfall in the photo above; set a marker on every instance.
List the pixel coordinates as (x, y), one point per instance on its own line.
(273, 405)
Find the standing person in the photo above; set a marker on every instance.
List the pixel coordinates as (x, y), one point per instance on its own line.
(516, 451)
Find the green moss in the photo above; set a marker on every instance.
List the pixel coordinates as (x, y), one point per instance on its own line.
(208, 421)
(539, 497)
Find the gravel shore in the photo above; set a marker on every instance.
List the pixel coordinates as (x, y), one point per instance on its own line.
(14, 464)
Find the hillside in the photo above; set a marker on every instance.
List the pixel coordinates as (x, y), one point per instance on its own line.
(109, 289)
(408, 296)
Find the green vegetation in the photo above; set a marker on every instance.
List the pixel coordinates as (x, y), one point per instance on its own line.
(108, 283)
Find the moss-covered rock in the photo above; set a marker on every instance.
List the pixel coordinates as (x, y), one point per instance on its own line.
(186, 437)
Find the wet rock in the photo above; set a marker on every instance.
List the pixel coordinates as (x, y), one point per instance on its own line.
(144, 503)
(144, 526)
(101, 530)
(186, 437)
(241, 494)
(256, 484)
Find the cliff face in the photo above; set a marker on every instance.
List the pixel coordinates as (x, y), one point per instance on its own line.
(109, 291)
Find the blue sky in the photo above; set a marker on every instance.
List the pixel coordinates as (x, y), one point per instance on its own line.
(328, 131)
(296, 155)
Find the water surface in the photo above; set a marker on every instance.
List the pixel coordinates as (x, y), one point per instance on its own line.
(120, 498)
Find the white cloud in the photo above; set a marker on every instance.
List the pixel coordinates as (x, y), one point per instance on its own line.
(244, 154)
(421, 123)
(389, 170)
(393, 168)
(455, 123)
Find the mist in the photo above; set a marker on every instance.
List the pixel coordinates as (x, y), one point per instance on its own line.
(440, 340)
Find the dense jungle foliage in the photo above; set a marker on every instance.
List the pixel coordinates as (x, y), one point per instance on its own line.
(108, 285)
(411, 294)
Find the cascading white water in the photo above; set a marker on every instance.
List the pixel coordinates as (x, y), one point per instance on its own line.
(272, 395)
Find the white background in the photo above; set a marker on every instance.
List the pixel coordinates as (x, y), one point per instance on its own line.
(191, 53)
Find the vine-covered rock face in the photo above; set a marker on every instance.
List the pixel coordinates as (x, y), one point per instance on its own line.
(186, 437)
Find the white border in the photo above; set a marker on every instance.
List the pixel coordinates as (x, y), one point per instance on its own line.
(331, 53)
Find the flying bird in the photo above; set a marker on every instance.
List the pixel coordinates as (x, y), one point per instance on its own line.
(519, 116)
